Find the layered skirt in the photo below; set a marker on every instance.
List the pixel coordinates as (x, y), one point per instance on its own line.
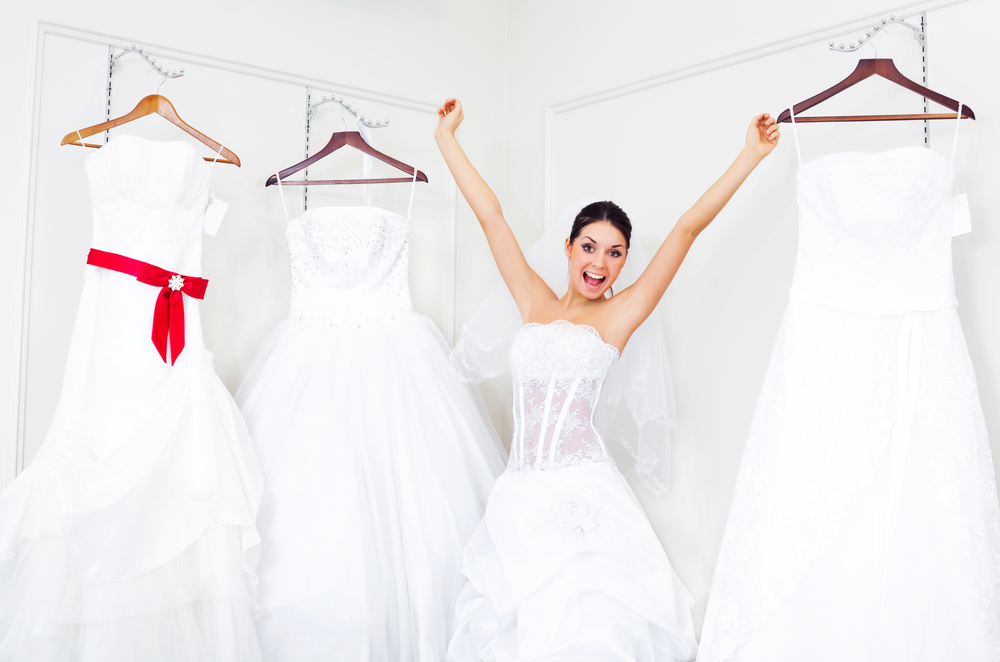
(377, 463)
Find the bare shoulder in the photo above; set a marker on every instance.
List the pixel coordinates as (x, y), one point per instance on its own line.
(541, 302)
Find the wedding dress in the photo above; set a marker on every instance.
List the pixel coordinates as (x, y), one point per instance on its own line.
(377, 459)
(565, 565)
(865, 523)
(130, 537)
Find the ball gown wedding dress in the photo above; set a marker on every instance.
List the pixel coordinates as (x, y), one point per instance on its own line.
(130, 536)
(865, 523)
(565, 565)
(377, 459)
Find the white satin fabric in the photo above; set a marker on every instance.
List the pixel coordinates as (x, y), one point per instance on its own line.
(565, 565)
(377, 458)
(865, 523)
(131, 534)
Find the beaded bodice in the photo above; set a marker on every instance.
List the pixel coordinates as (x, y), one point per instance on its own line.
(148, 199)
(558, 371)
(349, 266)
(875, 232)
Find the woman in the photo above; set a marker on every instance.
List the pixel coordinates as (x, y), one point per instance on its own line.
(564, 565)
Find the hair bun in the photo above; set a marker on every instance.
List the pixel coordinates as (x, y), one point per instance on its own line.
(604, 211)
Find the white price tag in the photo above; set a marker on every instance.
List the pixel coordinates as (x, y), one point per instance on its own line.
(962, 222)
(213, 215)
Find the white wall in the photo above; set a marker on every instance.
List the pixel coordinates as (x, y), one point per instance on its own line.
(577, 126)
(247, 65)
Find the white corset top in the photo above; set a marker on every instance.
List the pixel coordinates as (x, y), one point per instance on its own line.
(149, 199)
(349, 266)
(875, 232)
(558, 371)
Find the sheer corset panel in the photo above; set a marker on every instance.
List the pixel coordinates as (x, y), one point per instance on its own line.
(875, 232)
(148, 199)
(558, 371)
(349, 266)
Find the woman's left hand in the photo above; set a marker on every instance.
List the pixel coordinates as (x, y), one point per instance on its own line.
(763, 135)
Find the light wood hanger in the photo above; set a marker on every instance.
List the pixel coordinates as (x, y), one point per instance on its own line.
(355, 140)
(158, 105)
(885, 68)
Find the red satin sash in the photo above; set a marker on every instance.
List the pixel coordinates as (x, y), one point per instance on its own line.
(168, 315)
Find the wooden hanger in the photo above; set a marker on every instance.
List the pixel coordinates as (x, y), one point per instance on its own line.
(338, 140)
(159, 105)
(885, 68)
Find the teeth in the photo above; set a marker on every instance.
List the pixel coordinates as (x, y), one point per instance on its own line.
(594, 276)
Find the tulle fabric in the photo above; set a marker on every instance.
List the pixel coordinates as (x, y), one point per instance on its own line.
(377, 465)
(816, 563)
(565, 566)
(131, 535)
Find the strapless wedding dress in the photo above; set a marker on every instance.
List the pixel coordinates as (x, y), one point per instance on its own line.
(565, 565)
(131, 536)
(865, 522)
(377, 458)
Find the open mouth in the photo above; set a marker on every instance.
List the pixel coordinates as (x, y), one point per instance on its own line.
(592, 280)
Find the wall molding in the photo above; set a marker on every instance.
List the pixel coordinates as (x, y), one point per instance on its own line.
(552, 111)
(803, 39)
(12, 453)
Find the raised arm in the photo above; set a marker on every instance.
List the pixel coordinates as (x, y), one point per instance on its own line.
(524, 284)
(638, 301)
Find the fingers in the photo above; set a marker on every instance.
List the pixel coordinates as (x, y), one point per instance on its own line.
(768, 127)
(449, 106)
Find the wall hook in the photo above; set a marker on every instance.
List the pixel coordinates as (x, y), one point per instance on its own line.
(373, 124)
(158, 68)
(918, 33)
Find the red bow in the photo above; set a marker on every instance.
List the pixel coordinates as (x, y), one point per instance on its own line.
(168, 315)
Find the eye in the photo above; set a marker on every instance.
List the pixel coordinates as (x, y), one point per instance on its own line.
(588, 247)
(615, 254)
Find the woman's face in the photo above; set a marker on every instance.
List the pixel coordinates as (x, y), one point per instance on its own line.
(596, 258)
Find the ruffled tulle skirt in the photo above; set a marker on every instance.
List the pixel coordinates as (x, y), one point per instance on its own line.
(865, 523)
(565, 567)
(130, 537)
(377, 464)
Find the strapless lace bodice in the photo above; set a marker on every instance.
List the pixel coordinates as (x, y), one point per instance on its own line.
(875, 232)
(558, 371)
(349, 266)
(149, 199)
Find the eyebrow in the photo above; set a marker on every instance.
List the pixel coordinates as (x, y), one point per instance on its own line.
(595, 241)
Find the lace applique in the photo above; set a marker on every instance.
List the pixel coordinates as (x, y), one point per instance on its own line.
(349, 267)
(575, 514)
(558, 372)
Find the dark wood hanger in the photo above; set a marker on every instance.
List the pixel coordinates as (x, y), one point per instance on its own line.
(154, 104)
(885, 68)
(338, 140)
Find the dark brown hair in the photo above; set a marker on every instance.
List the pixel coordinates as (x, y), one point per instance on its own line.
(604, 211)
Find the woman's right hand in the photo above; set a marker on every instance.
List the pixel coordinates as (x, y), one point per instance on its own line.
(449, 117)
